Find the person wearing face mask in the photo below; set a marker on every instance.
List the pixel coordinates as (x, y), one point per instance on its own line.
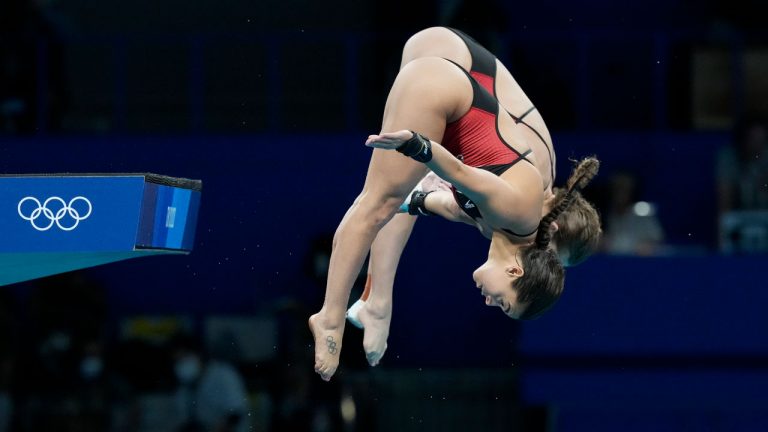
(91, 367)
(211, 394)
(102, 399)
(93, 391)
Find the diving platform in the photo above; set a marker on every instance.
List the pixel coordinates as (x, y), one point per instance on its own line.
(54, 223)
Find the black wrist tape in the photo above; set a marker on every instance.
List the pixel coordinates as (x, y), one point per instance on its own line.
(416, 206)
(418, 147)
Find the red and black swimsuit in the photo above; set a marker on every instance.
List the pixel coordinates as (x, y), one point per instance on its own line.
(483, 70)
(475, 139)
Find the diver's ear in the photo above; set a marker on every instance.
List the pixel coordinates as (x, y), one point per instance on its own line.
(553, 227)
(514, 271)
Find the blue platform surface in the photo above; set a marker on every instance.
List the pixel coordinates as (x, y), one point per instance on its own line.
(60, 222)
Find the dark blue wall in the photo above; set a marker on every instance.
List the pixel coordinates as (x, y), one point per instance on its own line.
(266, 197)
(684, 331)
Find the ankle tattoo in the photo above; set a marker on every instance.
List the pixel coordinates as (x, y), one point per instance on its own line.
(331, 345)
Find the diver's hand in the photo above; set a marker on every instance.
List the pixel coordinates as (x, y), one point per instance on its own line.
(389, 140)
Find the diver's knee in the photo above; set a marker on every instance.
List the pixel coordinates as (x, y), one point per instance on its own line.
(378, 210)
(424, 43)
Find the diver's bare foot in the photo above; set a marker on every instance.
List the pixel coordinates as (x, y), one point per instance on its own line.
(327, 345)
(375, 322)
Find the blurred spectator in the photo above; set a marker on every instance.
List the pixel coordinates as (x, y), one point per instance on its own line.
(6, 400)
(211, 394)
(7, 358)
(72, 304)
(632, 227)
(75, 390)
(65, 382)
(102, 400)
(742, 170)
(302, 402)
(742, 186)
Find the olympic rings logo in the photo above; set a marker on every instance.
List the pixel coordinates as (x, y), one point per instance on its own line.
(331, 345)
(59, 211)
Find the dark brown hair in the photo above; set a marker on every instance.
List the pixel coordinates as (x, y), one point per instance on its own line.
(544, 278)
(579, 232)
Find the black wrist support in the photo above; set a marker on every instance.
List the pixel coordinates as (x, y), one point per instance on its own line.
(416, 207)
(418, 147)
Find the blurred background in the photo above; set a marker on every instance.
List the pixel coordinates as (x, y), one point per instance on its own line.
(269, 103)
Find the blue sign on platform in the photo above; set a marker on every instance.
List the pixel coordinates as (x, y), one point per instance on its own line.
(92, 218)
(74, 214)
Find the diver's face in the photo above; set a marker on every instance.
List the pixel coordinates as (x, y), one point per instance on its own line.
(494, 279)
